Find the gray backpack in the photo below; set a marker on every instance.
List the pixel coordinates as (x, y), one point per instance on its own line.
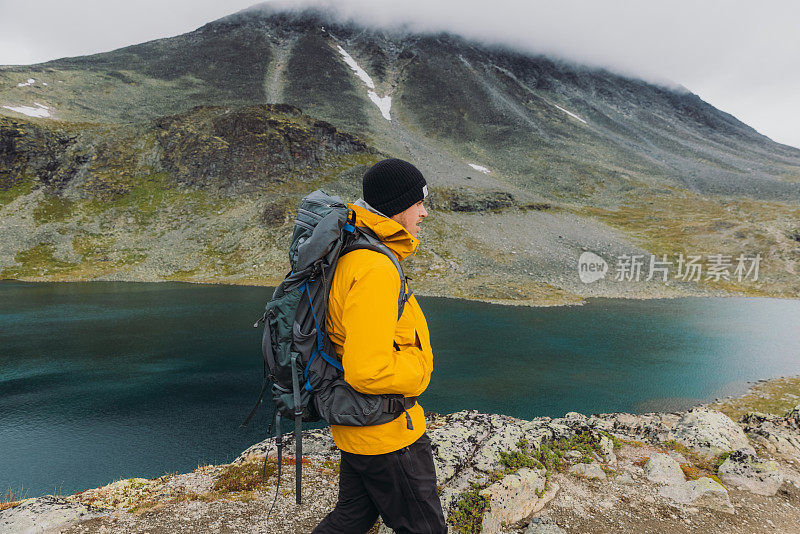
(300, 363)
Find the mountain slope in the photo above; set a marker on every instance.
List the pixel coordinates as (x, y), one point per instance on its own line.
(571, 158)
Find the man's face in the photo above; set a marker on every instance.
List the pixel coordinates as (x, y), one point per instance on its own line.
(411, 217)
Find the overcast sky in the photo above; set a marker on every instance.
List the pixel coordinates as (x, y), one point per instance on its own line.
(741, 56)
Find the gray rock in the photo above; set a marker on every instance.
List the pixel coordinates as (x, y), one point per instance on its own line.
(43, 514)
(653, 427)
(778, 435)
(626, 479)
(543, 526)
(710, 432)
(745, 470)
(662, 469)
(537, 431)
(316, 442)
(456, 440)
(513, 498)
(591, 471)
(573, 456)
(702, 492)
(506, 433)
(607, 450)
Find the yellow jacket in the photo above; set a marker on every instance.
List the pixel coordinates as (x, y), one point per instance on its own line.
(362, 323)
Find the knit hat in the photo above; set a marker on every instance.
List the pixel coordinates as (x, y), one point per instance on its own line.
(393, 185)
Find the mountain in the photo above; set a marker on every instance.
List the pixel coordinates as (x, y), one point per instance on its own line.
(531, 161)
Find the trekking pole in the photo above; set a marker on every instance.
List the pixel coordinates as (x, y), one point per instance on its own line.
(279, 443)
(298, 431)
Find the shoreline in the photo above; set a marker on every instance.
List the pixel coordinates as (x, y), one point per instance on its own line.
(579, 300)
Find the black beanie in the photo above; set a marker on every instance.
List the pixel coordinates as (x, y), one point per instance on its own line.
(393, 185)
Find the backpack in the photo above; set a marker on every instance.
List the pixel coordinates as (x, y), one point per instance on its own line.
(300, 363)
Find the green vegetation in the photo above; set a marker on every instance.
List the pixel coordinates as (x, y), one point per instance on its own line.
(19, 188)
(616, 442)
(52, 208)
(36, 261)
(522, 457)
(676, 221)
(93, 247)
(551, 455)
(149, 195)
(774, 397)
(466, 515)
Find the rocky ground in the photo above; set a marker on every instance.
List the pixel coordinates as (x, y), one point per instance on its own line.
(693, 471)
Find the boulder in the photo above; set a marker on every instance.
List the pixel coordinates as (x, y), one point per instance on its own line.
(653, 427)
(515, 497)
(455, 441)
(778, 435)
(607, 450)
(745, 470)
(709, 432)
(591, 471)
(663, 469)
(703, 492)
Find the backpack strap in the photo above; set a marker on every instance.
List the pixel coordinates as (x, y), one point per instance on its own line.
(400, 404)
(364, 238)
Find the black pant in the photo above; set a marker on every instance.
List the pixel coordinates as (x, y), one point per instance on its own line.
(399, 485)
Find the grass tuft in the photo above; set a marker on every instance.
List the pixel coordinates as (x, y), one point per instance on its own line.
(467, 513)
(245, 476)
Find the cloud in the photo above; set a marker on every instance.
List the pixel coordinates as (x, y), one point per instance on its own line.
(727, 51)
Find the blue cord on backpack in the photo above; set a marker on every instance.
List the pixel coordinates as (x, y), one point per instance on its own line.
(320, 344)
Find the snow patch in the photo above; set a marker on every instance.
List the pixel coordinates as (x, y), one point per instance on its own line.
(571, 114)
(479, 168)
(25, 84)
(44, 83)
(39, 111)
(384, 103)
(361, 73)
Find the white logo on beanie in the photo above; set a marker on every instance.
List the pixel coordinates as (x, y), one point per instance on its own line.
(424, 191)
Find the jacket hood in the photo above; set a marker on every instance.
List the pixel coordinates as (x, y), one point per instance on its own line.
(391, 232)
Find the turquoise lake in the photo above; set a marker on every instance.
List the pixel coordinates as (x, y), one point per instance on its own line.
(101, 381)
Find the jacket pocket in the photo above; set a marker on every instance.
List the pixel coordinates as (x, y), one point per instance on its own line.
(405, 334)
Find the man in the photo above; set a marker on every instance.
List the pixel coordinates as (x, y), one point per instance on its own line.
(386, 469)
